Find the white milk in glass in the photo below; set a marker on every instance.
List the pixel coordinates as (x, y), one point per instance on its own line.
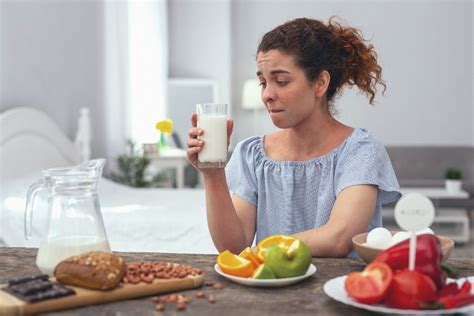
(214, 137)
(212, 118)
(53, 251)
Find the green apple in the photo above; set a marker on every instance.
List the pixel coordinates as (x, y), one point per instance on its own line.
(263, 272)
(291, 262)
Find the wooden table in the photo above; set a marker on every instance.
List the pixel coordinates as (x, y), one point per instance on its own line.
(304, 298)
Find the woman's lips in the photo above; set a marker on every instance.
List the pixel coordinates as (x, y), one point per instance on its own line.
(275, 111)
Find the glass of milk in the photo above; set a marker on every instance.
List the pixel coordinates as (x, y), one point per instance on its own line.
(212, 118)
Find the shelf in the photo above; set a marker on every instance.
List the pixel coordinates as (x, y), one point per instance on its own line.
(452, 223)
(435, 192)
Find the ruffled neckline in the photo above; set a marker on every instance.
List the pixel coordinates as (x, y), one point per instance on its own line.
(318, 159)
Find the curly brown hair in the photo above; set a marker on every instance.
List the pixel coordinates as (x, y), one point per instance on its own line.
(340, 50)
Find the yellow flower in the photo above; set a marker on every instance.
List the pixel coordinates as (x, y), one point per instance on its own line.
(165, 126)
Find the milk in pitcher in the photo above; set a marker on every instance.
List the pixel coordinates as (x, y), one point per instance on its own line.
(214, 151)
(54, 250)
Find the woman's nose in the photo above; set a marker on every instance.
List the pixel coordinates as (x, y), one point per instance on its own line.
(268, 94)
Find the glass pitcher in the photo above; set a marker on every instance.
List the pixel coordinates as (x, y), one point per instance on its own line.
(74, 222)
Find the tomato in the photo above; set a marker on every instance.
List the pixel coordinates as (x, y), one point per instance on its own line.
(370, 285)
(410, 290)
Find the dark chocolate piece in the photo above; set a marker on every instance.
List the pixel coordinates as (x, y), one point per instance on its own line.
(31, 287)
(28, 279)
(36, 288)
(54, 292)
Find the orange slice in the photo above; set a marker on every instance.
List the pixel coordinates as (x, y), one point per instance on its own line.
(248, 254)
(280, 240)
(234, 265)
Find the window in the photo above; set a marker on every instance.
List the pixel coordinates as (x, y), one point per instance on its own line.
(147, 68)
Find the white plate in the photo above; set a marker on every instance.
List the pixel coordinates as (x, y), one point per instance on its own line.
(334, 288)
(266, 282)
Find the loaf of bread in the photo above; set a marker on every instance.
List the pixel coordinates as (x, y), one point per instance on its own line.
(93, 270)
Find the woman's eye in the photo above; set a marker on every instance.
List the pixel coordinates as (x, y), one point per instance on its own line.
(282, 83)
(262, 84)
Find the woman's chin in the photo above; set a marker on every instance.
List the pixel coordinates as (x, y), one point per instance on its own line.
(281, 124)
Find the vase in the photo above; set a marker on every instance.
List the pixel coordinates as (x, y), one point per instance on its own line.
(453, 186)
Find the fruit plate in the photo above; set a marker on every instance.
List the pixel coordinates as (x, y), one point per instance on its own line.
(334, 288)
(267, 282)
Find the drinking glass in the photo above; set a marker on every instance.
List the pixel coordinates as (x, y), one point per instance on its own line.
(212, 118)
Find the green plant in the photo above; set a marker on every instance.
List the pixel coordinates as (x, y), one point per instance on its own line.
(453, 174)
(132, 167)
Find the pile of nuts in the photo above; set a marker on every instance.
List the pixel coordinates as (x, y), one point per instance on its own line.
(182, 300)
(147, 271)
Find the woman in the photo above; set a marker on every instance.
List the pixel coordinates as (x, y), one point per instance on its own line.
(315, 178)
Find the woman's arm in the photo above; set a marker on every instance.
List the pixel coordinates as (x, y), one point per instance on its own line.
(350, 215)
(231, 221)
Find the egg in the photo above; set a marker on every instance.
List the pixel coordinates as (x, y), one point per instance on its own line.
(400, 236)
(379, 238)
(427, 230)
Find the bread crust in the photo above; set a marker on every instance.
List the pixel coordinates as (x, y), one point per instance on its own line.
(93, 270)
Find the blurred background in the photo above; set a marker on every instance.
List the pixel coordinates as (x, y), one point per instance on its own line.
(132, 63)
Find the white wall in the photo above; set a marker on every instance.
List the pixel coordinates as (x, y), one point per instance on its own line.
(425, 49)
(200, 42)
(472, 73)
(52, 60)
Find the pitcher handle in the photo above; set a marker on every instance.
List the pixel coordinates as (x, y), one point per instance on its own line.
(30, 201)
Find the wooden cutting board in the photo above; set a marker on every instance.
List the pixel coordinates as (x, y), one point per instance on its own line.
(10, 305)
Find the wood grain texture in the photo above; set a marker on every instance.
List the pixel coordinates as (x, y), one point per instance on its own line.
(304, 298)
(9, 305)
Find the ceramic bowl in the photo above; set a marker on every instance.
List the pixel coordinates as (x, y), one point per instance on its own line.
(368, 253)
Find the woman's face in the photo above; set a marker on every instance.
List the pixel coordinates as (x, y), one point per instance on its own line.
(287, 94)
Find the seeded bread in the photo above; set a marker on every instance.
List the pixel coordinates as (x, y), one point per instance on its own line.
(93, 270)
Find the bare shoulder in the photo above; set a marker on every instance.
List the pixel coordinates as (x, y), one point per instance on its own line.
(343, 132)
(273, 145)
(272, 139)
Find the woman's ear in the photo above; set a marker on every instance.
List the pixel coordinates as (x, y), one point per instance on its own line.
(322, 84)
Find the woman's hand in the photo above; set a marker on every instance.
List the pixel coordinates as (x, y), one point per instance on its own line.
(195, 145)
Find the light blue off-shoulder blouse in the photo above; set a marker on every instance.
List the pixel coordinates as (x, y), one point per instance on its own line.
(294, 196)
